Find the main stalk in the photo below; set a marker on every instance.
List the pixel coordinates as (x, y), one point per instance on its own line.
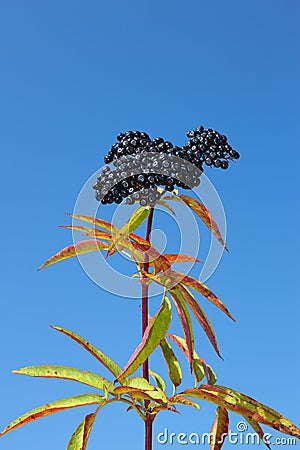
(148, 423)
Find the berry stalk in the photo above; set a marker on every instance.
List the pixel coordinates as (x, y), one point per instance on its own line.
(148, 423)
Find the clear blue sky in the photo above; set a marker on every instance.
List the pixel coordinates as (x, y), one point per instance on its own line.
(74, 74)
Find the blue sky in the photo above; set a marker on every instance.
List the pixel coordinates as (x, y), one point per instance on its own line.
(72, 76)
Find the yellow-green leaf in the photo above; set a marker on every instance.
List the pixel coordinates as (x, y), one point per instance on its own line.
(53, 407)
(81, 247)
(80, 436)
(100, 356)
(136, 219)
(68, 373)
(153, 335)
(174, 368)
(158, 379)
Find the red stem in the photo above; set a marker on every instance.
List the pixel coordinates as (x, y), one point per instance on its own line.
(148, 423)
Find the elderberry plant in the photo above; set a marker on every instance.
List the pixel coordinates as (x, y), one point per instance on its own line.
(147, 172)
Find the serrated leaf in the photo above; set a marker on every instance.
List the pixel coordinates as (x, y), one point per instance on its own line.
(202, 212)
(158, 380)
(185, 320)
(153, 335)
(201, 288)
(200, 316)
(245, 406)
(67, 373)
(80, 436)
(53, 407)
(100, 356)
(219, 429)
(174, 369)
(93, 220)
(136, 219)
(87, 231)
(183, 401)
(79, 248)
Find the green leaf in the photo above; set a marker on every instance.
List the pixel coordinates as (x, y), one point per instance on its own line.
(68, 373)
(245, 406)
(53, 407)
(202, 212)
(100, 356)
(219, 429)
(136, 219)
(158, 380)
(81, 247)
(198, 363)
(153, 335)
(80, 436)
(137, 393)
(140, 383)
(174, 369)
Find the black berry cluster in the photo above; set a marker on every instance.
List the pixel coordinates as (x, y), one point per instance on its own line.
(210, 147)
(142, 164)
(137, 177)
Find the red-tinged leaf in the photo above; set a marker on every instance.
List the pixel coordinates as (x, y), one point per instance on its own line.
(153, 335)
(245, 406)
(178, 277)
(174, 369)
(68, 373)
(98, 222)
(219, 429)
(80, 436)
(160, 383)
(53, 407)
(259, 431)
(100, 356)
(202, 212)
(87, 231)
(167, 206)
(185, 320)
(173, 258)
(161, 264)
(81, 247)
(200, 316)
(136, 219)
(183, 401)
(199, 365)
